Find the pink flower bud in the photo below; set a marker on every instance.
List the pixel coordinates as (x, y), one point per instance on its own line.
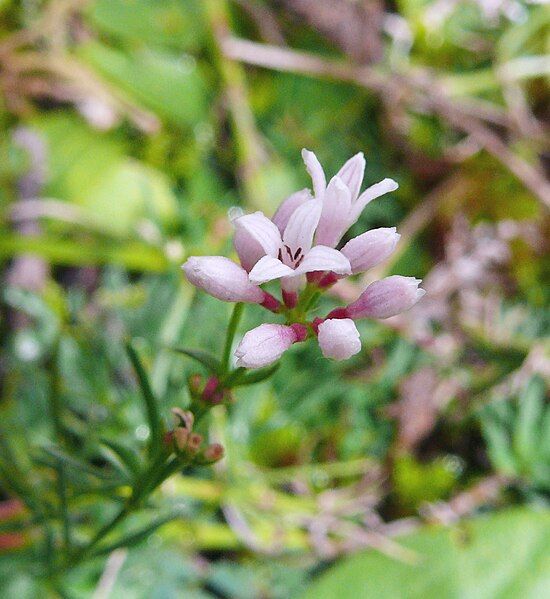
(222, 278)
(181, 436)
(264, 345)
(213, 453)
(339, 338)
(194, 442)
(370, 248)
(386, 298)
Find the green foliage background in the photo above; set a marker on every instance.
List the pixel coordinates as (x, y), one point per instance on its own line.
(143, 134)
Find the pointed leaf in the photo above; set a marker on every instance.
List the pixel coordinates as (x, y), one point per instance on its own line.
(151, 405)
(203, 357)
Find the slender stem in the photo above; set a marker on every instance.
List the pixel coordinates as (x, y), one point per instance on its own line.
(231, 330)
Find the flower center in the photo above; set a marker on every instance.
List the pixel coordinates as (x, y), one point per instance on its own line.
(286, 256)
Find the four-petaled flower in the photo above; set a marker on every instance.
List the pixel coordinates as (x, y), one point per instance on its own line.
(298, 246)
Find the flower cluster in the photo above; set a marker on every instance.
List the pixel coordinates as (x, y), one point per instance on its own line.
(298, 246)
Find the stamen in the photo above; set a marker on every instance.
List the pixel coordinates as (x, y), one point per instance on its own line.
(300, 260)
(288, 251)
(280, 255)
(298, 252)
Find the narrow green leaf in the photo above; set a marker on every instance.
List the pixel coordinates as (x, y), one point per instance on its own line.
(127, 455)
(203, 357)
(251, 377)
(74, 463)
(138, 536)
(151, 405)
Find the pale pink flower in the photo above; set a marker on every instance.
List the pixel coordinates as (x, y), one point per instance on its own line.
(266, 344)
(342, 204)
(339, 338)
(288, 256)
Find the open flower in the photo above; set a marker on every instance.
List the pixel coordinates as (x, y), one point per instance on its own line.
(342, 203)
(287, 256)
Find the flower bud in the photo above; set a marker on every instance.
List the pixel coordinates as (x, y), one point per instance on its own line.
(222, 278)
(180, 436)
(370, 248)
(264, 345)
(386, 298)
(194, 442)
(339, 338)
(213, 453)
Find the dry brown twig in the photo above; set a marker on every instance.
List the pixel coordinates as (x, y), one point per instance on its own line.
(419, 89)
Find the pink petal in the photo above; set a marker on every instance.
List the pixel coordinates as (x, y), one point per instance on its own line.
(222, 278)
(247, 247)
(267, 269)
(315, 170)
(260, 229)
(386, 298)
(264, 345)
(371, 193)
(352, 173)
(301, 226)
(339, 338)
(286, 209)
(335, 216)
(369, 249)
(323, 258)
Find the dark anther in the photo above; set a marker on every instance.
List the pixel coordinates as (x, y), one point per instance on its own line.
(288, 251)
(299, 261)
(280, 255)
(297, 253)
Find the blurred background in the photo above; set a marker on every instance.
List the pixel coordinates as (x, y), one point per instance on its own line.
(129, 128)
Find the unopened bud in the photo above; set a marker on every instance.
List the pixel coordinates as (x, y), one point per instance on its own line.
(194, 382)
(181, 436)
(194, 441)
(213, 453)
(210, 389)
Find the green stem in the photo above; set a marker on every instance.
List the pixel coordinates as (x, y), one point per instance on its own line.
(231, 330)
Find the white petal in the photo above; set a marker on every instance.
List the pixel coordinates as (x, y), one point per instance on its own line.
(371, 193)
(323, 258)
(301, 226)
(352, 174)
(335, 215)
(339, 338)
(222, 278)
(315, 170)
(260, 228)
(386, 298)
(287, 208)
(293, 283)
(267, 269)
(264, 345)
(369, 249)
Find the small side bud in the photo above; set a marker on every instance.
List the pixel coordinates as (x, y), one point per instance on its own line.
(181, 436)
(194, 442)
(194, 383)
(213, 453)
